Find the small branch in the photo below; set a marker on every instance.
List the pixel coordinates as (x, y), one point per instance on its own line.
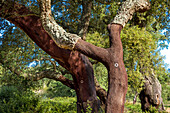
(51, 75)
(85, 18)
(12, 69)
(104, 2)
(135, 98)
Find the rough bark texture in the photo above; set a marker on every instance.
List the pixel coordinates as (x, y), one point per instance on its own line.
(128, 8)
(57, 33)
(117, 72)
(151, 94)
(73, 61)
(76, 63)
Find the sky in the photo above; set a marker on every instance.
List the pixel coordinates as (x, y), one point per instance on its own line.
(166, 53)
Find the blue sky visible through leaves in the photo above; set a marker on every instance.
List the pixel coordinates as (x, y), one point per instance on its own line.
(165, 52)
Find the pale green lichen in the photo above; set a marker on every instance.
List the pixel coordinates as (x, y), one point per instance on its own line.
(128, 8)
(58, 34)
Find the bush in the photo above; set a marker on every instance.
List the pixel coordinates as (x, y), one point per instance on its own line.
(13, 100)
(133, 108)
(57, 105)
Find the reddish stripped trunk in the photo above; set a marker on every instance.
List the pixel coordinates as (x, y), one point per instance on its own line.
(112, 58)
(117, 72)
(73, 61)
(77, 63)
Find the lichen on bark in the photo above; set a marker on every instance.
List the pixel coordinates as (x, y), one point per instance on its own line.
(128, 8)
(57, 33)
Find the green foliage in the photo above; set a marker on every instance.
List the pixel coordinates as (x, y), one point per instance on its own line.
(98, 39)
(57, 89)
(132, 108)
(101, 74)
(140, 56)
(16, 101)
(141, 41)
(57, 105)
(152, 110)
(164, 80)
(88, 109)
(13, 100)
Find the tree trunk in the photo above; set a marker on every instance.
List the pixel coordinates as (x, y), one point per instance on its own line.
(151, 94)
(73, 61)
(117, 72)
(51, 37)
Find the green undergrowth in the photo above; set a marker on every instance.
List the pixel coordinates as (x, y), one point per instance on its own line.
(136, 108)
(132, 108)
(58, 105)
(13, 100)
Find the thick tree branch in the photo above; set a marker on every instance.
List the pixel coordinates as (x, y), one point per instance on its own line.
(92, 51)
(85, 18)
(58, 34)
(67, 40)
(128, 8)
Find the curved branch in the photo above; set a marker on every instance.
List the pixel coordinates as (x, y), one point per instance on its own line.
(67, 40)
(58, 34)
(52, 75)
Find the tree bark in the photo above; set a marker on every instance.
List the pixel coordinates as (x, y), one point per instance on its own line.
(52, 36)
(73, 61)
(117, 72)
(151, 94)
